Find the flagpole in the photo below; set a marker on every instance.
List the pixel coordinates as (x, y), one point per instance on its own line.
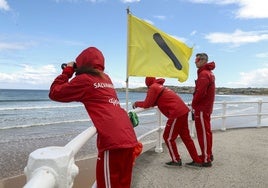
(127, 77)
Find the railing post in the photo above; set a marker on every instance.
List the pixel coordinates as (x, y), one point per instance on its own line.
(55, 163)
(259, 113)
(159, 147)
(192, 128)
(224, 105)
(192, 123)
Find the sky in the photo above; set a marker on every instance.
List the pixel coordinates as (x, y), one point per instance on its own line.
(36, 37)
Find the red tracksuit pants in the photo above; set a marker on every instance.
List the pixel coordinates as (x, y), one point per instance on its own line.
(179, 127)
(204, 134)
(114, 168)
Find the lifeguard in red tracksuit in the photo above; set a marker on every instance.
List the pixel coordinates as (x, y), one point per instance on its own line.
(116, 138)
(202, 105)
(173, 107)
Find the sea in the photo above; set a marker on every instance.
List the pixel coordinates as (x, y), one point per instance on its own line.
(33, 108)
(30, 120)
(33, 111)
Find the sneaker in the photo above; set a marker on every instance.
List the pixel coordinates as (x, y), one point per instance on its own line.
(172, 163)
(211, 157)
(208, 164)
(194, 164)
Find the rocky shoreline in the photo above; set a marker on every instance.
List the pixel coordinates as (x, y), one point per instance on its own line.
(219, 90)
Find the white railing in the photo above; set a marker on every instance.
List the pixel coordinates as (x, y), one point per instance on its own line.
(54, 166)
(224, 109)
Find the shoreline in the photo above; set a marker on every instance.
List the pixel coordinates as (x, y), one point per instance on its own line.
(186, 90)
(219, 90)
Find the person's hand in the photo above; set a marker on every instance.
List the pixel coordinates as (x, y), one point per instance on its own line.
(68, 69)
(133, 105)
(71, 64)
(192, 114)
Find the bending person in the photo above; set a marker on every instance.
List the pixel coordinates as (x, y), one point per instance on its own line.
(173, 107)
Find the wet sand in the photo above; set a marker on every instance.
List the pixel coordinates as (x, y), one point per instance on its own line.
(14, 159)
(85, 161)
(14, 155)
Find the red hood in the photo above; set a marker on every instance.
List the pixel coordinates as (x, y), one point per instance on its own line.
(91, 57)
(151, 80)
(208, 66)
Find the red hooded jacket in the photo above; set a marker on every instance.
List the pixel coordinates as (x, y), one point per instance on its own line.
(100, 100)
(168, 102)
(204, 93)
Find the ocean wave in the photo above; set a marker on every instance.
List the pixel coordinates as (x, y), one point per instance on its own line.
(39, 107)
(45, 107)
(23, 100)
(43, 124)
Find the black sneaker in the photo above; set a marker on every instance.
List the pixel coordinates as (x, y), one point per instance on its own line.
(211, 157)
(194, 164)
(208, 164)
(173, 164)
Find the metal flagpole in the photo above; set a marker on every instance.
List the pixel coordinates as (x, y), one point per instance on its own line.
(127, 77)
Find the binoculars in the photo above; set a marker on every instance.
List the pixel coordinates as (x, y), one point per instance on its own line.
(63, 65)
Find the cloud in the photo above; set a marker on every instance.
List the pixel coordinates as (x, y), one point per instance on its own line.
(262, 55)
(252, 9)
(130, 1)
(4, 5)
(15, 46)
(193, 33)
(182, 39)
(32, 77)
(134, 83)
(238, 37)
(160, 17)
(76, 1)
(149, 21)
(254, 78)
(247, 9)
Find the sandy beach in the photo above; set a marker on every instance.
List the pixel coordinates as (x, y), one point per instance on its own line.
(14, 155)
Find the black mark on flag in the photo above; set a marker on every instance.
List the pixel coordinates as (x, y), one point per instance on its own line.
(163, 45)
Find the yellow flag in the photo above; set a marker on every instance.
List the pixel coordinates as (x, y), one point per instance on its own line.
(152, 52)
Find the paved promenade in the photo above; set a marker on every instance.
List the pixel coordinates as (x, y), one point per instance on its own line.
(240, 161)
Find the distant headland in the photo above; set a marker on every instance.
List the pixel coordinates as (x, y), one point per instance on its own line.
(219, 90)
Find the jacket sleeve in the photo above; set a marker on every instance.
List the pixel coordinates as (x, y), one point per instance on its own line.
(150, 99)
(63, 90)
(200, 92)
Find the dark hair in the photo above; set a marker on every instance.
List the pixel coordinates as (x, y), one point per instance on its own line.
(202, 55)
(89, 70)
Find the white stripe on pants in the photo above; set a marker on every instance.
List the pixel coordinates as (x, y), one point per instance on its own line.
(204, 135)
(169, 138)
(107, 169)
